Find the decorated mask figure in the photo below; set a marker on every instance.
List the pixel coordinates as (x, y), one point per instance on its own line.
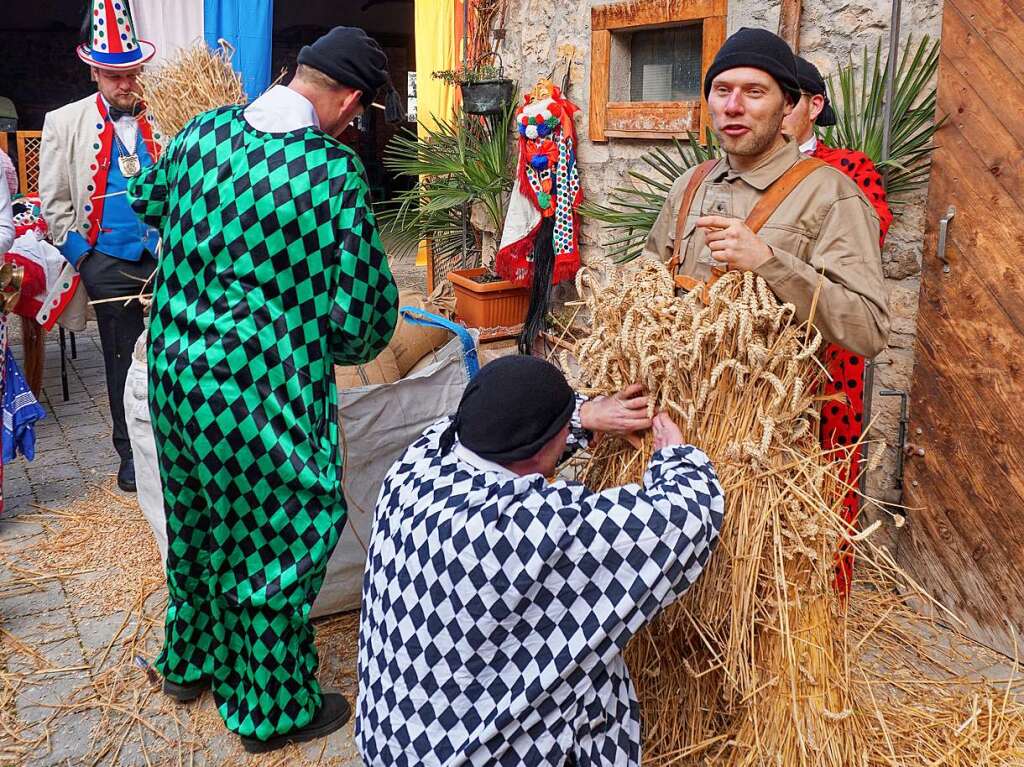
(540, 239)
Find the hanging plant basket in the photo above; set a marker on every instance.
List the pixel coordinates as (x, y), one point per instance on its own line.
(487, 97)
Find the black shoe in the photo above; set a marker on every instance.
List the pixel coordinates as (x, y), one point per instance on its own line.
(186, 693)
(333, 715)
(126, 475)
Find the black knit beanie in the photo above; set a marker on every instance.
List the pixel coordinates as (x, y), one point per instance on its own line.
(759, 49)
(812, 82)
(511, 409)
(353, 58)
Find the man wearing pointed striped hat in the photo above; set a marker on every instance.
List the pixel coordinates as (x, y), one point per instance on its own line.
(89, 151)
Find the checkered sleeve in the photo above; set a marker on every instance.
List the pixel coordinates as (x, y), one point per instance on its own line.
(148, 192)
(579, 438)
(642, 547)
(365, 308)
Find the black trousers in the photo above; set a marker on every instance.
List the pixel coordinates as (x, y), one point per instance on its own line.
(120, 325)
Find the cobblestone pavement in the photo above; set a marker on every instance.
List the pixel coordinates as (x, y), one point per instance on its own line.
(58, 649)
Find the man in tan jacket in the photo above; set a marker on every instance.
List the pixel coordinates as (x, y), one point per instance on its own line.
(824, 232)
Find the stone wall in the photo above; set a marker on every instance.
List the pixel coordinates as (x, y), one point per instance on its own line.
(830, 32)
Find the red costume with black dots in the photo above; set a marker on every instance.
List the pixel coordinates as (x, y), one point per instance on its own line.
(858, 166)
(842, 422)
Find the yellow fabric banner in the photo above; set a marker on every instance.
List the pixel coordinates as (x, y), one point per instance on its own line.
(438, 47)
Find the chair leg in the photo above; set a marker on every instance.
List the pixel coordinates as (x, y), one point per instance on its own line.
(64, 365)
(33, 341)
(74, 346)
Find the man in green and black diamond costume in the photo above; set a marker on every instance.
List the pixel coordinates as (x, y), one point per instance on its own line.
(271, 272)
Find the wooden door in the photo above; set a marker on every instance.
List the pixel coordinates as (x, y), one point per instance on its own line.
(964, 540)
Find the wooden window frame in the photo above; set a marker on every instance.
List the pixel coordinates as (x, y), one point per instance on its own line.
(641, 119)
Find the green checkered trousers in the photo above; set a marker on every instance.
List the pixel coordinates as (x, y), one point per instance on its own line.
(271, 271)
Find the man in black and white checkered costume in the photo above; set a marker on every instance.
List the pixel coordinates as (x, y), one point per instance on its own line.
(496, 605)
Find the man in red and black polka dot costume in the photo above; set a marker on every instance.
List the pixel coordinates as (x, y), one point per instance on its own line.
(841, 422)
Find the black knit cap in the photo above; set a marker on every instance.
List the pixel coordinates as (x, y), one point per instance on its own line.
(812, 82)
(350, 56)
(759, 49)
(511, 409)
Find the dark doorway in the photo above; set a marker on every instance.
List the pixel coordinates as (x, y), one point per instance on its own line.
(391, 23)
(39, 70)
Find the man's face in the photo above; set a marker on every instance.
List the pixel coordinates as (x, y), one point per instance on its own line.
(121, 89)
(800, 122)
(553, 451)
(747, 108)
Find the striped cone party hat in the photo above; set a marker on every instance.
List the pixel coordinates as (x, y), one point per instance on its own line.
(112, 41)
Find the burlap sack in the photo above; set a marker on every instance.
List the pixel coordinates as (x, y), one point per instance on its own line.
(377, 423)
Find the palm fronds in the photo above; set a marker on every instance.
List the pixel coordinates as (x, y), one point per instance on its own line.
(462, 161)
(632, 210)
(858, 91)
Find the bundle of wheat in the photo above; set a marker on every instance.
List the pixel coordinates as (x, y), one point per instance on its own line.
(760, 637)
(756, 664)
(194, 81)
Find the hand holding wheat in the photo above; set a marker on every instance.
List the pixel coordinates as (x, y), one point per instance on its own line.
(622, 413)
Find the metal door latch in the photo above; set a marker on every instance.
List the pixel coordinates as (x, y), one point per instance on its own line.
(943, 232)
(904, 420)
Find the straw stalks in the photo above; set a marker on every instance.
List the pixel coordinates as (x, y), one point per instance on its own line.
(757, 664)
(196, 80)
(101, 551)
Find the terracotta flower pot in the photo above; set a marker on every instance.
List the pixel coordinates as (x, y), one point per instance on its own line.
(488, 304)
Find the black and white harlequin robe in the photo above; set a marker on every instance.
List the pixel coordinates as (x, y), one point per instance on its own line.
(496, 607)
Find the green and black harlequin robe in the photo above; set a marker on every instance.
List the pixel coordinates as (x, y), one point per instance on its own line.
(271, 272)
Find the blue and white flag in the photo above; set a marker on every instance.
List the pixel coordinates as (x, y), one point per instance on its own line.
(21, 411)
(247, 25)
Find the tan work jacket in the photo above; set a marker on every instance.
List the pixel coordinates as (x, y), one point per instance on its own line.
(824, 227)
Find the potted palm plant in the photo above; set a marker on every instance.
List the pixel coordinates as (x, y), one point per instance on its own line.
(463, 169)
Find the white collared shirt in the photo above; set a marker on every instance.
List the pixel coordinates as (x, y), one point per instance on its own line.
(280, 110)
(466, 455)
(126, 128)
(809, 145)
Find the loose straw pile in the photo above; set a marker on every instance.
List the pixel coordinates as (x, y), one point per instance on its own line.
(753, 666)
(196, 80)
(102, 551)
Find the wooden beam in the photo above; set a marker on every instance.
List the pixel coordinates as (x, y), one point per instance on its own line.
(600, 60)
(713, 36)
(662, 119)
(630, 14)
(789, 23)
